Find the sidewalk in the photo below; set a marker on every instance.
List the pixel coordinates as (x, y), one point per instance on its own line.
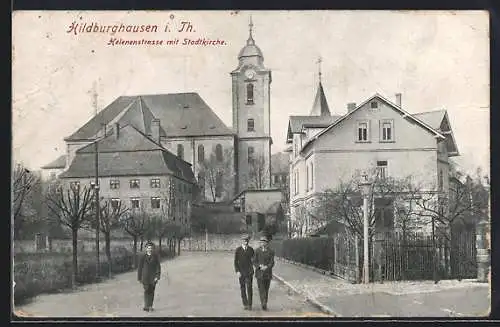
(448, 298)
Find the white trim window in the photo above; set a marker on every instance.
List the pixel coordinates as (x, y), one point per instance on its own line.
(387, 130)
(135, 203)
(363, 131)
(115, 203)
(382, 169)
(155, 202)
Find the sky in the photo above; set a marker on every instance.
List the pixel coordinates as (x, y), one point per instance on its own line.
(436, 59)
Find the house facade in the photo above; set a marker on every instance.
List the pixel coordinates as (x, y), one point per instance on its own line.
(377, 137)
(136, 171)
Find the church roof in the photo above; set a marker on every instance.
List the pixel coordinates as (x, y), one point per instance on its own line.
(58, 163)
(250, 50)
(320, 106)
(180, 114)
(131, 154)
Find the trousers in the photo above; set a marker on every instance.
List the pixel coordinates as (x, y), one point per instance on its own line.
(149, 294)
(246, 290)
(263, 284)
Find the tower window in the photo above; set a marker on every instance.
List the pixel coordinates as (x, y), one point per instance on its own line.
(218, 184)
(218, 152)
(249, 93)
(250, 154)
(201, 153)
(201, 180)
(250, 125)
(180, 151)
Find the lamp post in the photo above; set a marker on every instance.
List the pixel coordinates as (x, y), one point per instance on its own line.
(365, 190)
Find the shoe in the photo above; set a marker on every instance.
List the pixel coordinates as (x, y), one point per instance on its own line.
(151, 309)
(264, 307)
(245, 307)
(249, 308)
(145, 309)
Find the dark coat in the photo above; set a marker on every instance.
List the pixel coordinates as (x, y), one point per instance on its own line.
(266, 258)
(243, 260)
(149, 268)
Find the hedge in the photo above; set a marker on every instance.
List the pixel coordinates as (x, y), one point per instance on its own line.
(38, 273)
(316, 252)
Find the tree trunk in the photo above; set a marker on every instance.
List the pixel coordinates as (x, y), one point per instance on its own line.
(74, 273)
(135, 251)
(179, 246)
(159, 244)
(107, 239)
(142, 242)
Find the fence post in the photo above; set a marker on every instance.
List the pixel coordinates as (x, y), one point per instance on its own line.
(206, 239)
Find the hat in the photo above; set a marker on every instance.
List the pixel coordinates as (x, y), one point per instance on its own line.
(149, 243)
(245, 237)
(264, 239)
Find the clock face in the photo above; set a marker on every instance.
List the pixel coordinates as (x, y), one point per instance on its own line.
(250, 73)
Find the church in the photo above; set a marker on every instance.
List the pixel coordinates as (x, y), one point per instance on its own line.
(225, 160)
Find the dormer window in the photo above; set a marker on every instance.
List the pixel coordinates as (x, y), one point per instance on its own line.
(249, 93)
(374, 104)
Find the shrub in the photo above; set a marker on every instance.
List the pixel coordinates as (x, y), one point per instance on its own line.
(38, 273)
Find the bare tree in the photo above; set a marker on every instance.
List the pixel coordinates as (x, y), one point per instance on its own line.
(259, 173)
(344, 204)
(136, 223)
(219, 175)
(23, 182)
(110, 218)
(72, 208)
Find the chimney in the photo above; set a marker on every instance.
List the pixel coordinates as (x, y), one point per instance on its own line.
(398, 99)
(117, 130)
(155, 130)
(351, 106)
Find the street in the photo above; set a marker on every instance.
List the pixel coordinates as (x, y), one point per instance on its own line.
(195, 284)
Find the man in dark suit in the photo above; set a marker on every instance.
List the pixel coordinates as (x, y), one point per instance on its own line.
(148, 274)
(243, 257)
(264, 262)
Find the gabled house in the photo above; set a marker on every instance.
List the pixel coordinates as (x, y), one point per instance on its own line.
(376, 136)
(136, 170)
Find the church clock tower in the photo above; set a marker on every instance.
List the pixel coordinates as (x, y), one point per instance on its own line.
(251, 85)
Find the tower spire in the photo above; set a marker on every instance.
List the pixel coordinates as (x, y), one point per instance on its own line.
(250, 40)
(319, 68)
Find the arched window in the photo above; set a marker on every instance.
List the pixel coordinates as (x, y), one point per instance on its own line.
(180, 151)
(218, 184)
(249, 93)
(201, 180)
(201, 153)
(218, 152)
(250, 154)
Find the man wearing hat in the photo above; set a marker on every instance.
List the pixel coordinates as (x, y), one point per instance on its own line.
(243, 266)
(148, 274)
(264, 262)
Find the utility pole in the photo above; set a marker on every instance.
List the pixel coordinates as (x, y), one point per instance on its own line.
(97, 209)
